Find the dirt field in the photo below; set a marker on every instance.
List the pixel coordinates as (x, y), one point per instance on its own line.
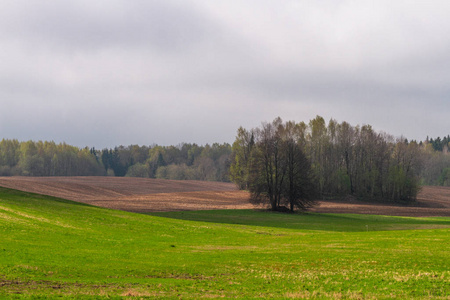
(135, 194)
(147, 195)
(431, 202)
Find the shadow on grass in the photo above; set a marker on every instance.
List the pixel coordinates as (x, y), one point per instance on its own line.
(308, 221)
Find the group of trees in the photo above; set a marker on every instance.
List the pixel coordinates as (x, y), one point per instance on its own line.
(436, 170)
(334, 159)
(46, 159)
(438, 144)
(270, 162)
(186, 161)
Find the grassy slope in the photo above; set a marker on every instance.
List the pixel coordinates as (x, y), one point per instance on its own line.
(56, 247)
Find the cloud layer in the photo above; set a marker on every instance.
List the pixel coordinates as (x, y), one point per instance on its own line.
(105, 73)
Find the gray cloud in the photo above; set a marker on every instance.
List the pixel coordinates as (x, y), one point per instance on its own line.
(104, 73)
(84, 26)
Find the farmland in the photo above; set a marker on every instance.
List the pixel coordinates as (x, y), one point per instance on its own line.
(53, 247)
(135, 194)
(153, 195)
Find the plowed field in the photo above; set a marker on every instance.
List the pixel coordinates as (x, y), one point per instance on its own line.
(149, 195)
(431, 202)
(135, 194)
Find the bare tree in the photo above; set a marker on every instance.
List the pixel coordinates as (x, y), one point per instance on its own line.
(279, 172)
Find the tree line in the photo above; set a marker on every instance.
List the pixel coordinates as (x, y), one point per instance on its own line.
(334, 159)
(185, 161)
(345, 159)
(438, 144)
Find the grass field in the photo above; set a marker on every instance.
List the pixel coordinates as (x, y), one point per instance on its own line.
(57, 248)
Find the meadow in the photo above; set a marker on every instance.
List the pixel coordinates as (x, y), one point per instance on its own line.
(55, 248)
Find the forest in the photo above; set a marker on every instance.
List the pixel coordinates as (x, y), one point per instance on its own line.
(344, 159)
(341, 160)
(182, 162)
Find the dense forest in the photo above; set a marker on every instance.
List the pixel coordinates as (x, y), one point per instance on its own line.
(345, 159)
(186, 161)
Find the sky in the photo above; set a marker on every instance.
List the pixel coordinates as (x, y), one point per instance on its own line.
(119, 72)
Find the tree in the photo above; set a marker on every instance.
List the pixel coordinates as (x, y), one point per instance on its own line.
(241, 150)
(318, 142)
(138, 170)
(117, 163)
(278, 171)
(300, 189)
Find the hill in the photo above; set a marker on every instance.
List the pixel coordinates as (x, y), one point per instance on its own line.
(54, 248)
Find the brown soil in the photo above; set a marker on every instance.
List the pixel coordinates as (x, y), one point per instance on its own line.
(432, 201)
(149, 195)
(135, 194)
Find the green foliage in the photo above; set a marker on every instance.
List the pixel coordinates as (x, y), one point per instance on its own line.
(241, 151)
(186, 161)
(439, 144)
(9, 153)
(437, 160)
(343, 182)
(53, 248)
(434, 166)
(46, 159)
(444, 179)
(176, 172)
(138, 170)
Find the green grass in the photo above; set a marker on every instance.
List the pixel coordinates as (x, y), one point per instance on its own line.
(310, 221)
(56, 248)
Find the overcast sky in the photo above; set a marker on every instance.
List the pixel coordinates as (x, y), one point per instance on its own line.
(105, 73)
